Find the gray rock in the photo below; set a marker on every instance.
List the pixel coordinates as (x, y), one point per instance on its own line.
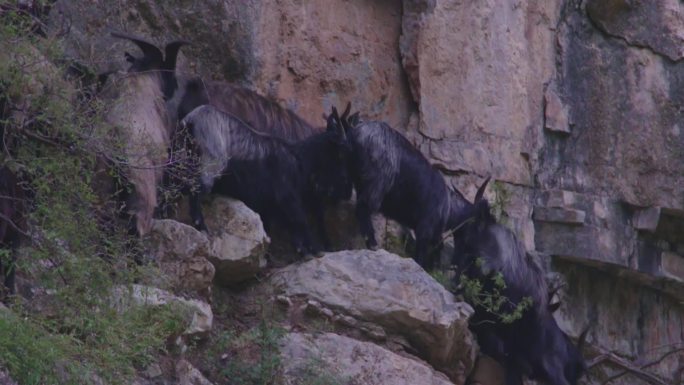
(392, 292)
(555, 113)
(646, 219)
(331, 358)
(181, 252)
(238, 242)
(672, 266)
(559, 215)
(137, 295)
(657, 25)
(189, 375)
(559, 198)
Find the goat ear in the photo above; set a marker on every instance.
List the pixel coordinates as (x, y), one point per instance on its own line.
(480, 191)
(150, 51)
(334, 114)
(171, 54)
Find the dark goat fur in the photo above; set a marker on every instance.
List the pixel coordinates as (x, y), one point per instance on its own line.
(275, 178)
(392, 177)
(532, 346)
(255, 110)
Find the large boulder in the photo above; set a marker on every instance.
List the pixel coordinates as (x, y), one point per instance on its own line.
(392, 292)
(181, 252)
(124, 297)
(238, 242)
(328, 356)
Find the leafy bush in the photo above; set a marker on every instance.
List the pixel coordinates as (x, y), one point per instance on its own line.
(492, 298)
(77, 249)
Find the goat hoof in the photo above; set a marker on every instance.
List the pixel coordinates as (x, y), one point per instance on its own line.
(372, 244)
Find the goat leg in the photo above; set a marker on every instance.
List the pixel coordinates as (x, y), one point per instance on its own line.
(196, 212)
(319, 213)
(363, 215)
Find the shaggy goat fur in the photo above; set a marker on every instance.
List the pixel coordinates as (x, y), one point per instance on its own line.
(392, 177)
(275, 178)
(255, 110)
(141, 116)
(533, 345)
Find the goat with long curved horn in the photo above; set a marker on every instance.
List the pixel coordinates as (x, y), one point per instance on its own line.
(152, 55)
(169, 67)
(140, 111)
(532, 346)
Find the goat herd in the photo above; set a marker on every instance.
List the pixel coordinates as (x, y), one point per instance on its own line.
(254, 150)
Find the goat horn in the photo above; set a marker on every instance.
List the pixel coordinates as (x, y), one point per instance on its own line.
(171, 53)
(149, 50)
(480, 191)
(583, 337)
(346, 111)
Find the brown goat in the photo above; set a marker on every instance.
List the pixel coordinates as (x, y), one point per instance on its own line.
(143, 122)
(259, 112)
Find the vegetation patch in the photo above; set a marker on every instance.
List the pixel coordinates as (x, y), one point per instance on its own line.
(77, 247)
(488, 293)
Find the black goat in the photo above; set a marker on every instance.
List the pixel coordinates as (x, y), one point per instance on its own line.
(392, 177)
(532, 345)
(273, 177)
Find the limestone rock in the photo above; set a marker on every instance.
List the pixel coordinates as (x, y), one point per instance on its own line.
(672, 266)
(657, 26)
(315, 54)
(344, 234)
(646, 219)
(479, 70)
(392, 292)
(559, 215)
(334, 357)
(189, 375)
(238, 242)
(555, 113)
(181, 252)
(626, 140)
(138, 295)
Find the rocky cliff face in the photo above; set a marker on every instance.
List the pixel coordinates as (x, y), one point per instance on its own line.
(574, 107)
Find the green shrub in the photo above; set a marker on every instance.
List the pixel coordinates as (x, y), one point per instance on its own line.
(77, 250)
(493, 300)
